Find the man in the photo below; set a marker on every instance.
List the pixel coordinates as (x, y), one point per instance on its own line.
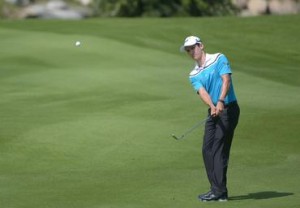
(211, 79)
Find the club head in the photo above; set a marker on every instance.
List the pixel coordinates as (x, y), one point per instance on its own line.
(175, 137)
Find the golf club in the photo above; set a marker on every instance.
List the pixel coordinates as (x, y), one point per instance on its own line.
(190, 130)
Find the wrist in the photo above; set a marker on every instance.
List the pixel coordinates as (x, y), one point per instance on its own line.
(211, 105)
(221, 101)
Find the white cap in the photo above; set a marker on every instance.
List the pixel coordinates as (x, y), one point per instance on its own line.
(189, 41)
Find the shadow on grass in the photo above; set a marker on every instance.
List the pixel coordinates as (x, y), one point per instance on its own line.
(261, 195)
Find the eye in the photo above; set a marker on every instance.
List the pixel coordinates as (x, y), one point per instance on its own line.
(190, 48)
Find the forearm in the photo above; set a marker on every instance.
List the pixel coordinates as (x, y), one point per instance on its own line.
(206, 97)
(225, 86)
(224, 90)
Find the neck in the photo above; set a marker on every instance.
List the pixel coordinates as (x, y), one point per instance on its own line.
(201, 61)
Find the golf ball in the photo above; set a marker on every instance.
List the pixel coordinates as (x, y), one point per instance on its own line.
(77, 43)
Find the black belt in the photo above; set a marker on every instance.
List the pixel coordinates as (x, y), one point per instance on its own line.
(230, 104)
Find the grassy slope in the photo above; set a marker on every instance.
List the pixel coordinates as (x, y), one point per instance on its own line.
(90, 126)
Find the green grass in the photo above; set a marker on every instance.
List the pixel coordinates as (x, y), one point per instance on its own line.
(89, 126)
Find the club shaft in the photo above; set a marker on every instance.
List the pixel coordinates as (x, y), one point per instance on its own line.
(191, 129)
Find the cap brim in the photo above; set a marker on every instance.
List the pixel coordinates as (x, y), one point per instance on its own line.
(182, 48)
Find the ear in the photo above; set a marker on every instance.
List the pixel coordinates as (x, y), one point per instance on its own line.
(201, 46)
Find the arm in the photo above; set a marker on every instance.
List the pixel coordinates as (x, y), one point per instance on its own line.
(207, 100)
(225, 88)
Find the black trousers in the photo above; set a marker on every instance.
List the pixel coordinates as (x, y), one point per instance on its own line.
(217, 141)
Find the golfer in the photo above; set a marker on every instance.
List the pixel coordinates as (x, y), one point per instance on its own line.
(211, 79)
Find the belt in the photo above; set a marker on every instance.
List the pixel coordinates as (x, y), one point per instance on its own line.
(230, 104)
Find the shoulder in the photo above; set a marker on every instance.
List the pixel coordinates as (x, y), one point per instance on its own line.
(222, 57)
(217, 58)
(195, 70)
(211, 58)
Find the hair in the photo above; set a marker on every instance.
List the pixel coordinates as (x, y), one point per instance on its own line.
(199, 44)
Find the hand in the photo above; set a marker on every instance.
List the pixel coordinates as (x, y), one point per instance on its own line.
(219, 108)
(213, 111)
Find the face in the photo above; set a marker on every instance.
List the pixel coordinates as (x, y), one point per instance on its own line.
(195, 51)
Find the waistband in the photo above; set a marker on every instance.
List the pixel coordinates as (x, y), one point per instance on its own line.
(230, 104)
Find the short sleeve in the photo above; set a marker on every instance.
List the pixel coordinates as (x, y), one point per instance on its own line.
(224, 66)
(195, 83)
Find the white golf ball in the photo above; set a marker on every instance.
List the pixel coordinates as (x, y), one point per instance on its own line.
(77, 43)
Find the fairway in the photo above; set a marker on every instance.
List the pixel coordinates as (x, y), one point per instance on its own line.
(90, 126)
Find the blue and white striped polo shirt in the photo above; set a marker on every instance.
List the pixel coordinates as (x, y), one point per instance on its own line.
(209, 77)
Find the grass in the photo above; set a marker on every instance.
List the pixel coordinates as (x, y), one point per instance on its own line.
(90, 126)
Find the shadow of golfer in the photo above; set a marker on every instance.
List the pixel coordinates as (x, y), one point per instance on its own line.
(261, 195)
